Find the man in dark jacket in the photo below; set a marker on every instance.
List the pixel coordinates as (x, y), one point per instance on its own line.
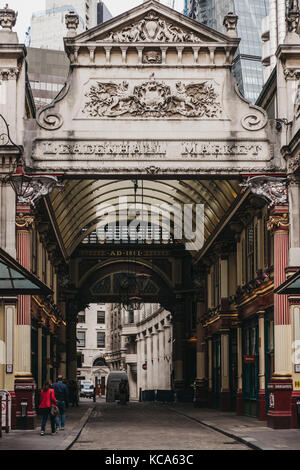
(61, 395)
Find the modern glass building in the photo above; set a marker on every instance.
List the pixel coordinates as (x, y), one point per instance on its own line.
(247, 66)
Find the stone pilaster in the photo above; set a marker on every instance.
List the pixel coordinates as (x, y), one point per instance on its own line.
(168, 354)
(178, 346)
(161, 385)
(225, 390)
(155, 358)
(262, 368)
(139, 363)
(24, 383)
(210, 369)
(239, 397)
(200, 386)
(148, 338)
(280, 387)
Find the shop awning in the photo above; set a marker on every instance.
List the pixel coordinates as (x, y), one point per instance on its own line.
(16, 280)
(290, 286)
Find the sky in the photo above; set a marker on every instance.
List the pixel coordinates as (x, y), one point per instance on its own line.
(25, 9)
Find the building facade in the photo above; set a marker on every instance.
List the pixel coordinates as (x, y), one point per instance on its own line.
(140, 342)
(274, 29)
(156, 73)
(247, 67)
(91, 347)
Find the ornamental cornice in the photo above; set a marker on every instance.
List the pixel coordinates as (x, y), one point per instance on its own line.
(278, 222)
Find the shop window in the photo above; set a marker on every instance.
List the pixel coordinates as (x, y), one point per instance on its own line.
(131, 316)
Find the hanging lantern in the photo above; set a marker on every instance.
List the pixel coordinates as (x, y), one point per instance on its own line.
(28, 188)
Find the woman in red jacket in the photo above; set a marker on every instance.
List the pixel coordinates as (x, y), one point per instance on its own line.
(47, 399)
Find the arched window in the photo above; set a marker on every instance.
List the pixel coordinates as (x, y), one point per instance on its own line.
(99, 362)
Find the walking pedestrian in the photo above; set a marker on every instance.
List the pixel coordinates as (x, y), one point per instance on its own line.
(46, 402)
(61, 395)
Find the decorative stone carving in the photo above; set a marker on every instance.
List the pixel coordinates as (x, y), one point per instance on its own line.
(293, 163)
(291, 73)
(152, 99)
(152, 57)
(8, 18)
(230, 23)
(72, 22)
(152, 170)
(24, 221)
(292, 16)
(271, 189)
(50, 120)
(152, 28)
(254, 122)
(9, 74)
(278, 222)
(257, 119)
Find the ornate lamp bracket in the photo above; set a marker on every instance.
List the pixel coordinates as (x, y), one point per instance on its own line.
(272, 189)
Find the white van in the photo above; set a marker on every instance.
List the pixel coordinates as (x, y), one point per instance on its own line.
(87, 389)
(112, 385)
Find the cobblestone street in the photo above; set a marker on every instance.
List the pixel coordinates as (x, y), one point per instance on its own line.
(148, 426)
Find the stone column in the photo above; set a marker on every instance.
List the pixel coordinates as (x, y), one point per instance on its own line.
(210, 369)
(148, 338)
(225, 390)
(262, 367)
(239, 398)
(40, 359)
(168, 353)
(61, 350)
(72, 310)
(200, 394)
(24, 383)
(139, 362)
(162, 379)
(143, 361)
(48, 354)
(155, 358)
(280, 387)
(178, 333)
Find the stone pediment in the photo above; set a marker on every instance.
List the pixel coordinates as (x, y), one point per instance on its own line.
(152, 22)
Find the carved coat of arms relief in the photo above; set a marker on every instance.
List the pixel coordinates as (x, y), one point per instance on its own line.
(152, 28)
(153, 98)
